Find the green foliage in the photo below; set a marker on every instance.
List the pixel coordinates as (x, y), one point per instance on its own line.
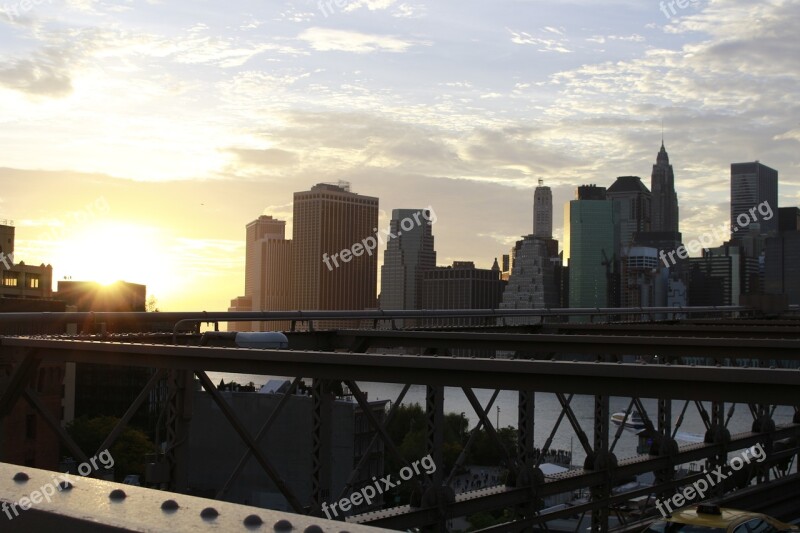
(128, 451)
(480, 521)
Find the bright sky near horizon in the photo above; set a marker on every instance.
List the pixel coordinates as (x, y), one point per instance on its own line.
(139, 137)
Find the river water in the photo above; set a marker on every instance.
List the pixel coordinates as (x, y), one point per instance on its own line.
(547, 411)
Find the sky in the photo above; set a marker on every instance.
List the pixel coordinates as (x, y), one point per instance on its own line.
(137, 138)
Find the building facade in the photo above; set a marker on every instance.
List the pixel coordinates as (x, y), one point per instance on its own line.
(782, 261)
(18, 280)
(590, 233)
(407, 257)
(533, 283)
(462, 286)
(543, 212)
(268, 274)
(633, 201)
(331, 265)
(751, 185)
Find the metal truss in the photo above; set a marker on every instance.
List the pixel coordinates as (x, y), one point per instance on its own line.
(713, 390)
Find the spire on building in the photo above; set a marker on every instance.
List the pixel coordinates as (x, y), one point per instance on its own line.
(496, 266)
(665, 200)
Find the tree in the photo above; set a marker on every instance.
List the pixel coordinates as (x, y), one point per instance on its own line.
(151, 306)
(128, 451)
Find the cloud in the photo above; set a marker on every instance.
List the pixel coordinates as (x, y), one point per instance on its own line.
(45, 73)
(328, 40)
(543, 44)
(268, 158)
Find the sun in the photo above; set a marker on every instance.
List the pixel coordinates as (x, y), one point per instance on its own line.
(112, 251)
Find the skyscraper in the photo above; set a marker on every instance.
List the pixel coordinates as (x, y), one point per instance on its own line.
(751, 185)
(268, 273)
(634, 205)
(329, 221)
(405, 260)
(533, 281)
(782, 260)
(543, 212)
(665, 200)
(591, 233)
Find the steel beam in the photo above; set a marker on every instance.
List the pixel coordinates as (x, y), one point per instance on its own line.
(743, 385)
(721, 348)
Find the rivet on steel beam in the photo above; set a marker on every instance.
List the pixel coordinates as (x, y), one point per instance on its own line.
(283, 525)
(313, 529)
(170, 505)
(64, 485)
(209, 513)
(21, 477)
(253, 521)
(117, 494)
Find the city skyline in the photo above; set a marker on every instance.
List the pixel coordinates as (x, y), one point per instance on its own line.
(190, 125)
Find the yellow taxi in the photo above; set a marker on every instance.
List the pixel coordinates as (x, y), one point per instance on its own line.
(713, 519)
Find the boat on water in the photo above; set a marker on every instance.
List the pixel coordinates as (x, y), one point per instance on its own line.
(632, 421)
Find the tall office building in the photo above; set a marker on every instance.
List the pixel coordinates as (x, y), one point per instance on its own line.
(332, 266)
(268, 274)
(590, 234)
(665, 200)
(543, 212)
(782, 261)
(407, 257)
(751, 185)
(716, 278)
(634, 205)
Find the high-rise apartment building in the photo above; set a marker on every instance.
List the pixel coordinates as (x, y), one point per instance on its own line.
(406, 258)
(664, 197)
(332, 265)
(590, 234)
(543, 212)
(751, 185)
